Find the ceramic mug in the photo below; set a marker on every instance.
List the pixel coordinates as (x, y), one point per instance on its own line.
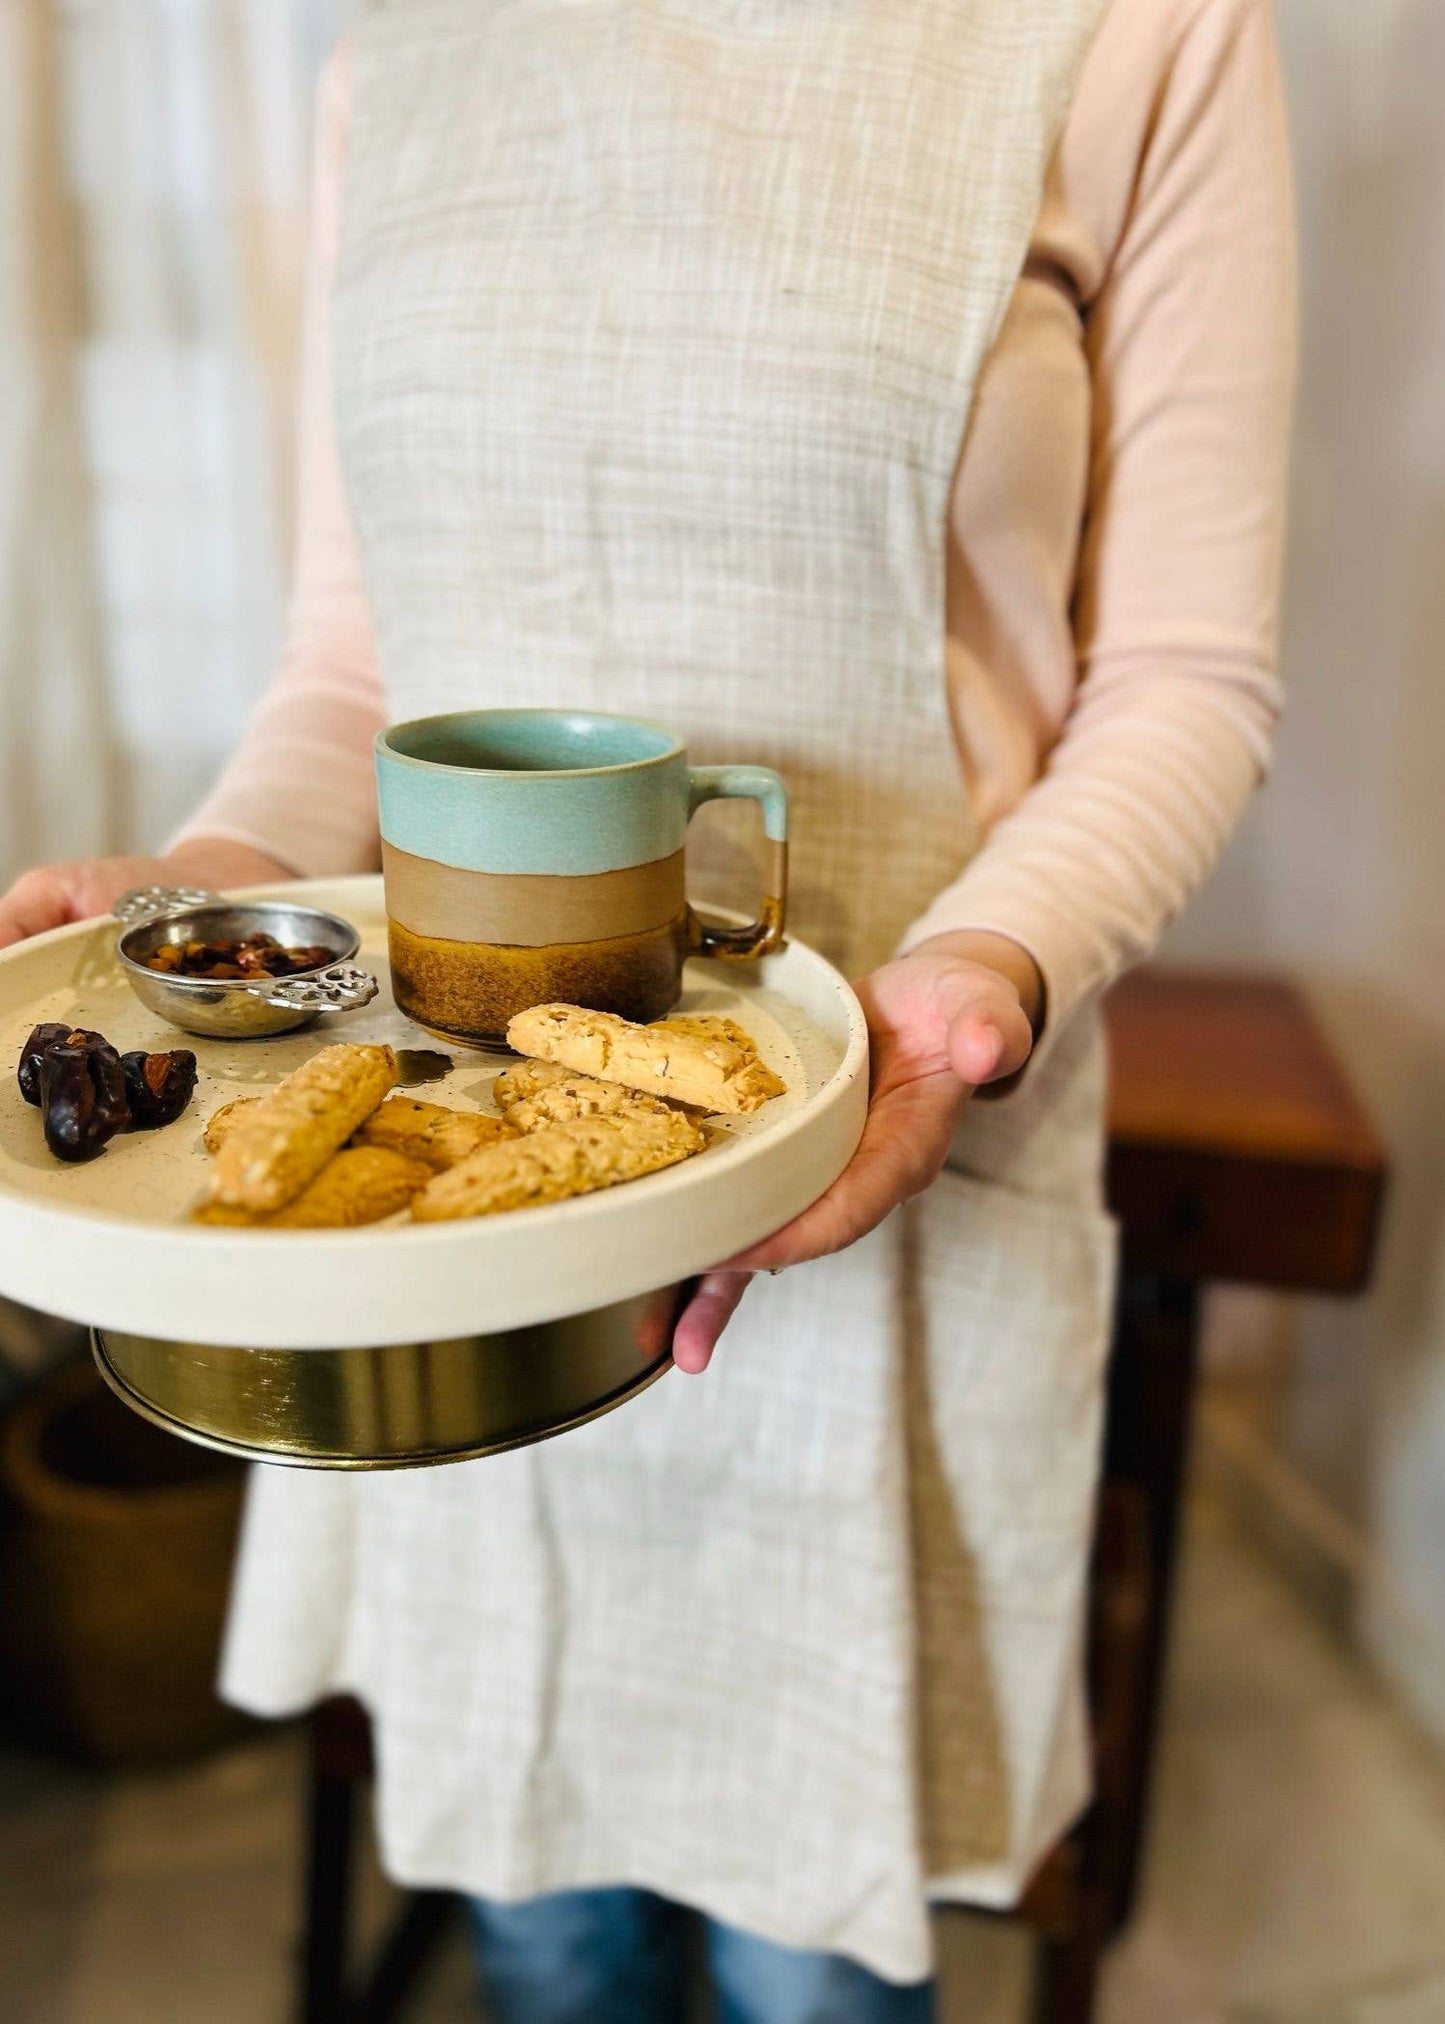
(533, 856)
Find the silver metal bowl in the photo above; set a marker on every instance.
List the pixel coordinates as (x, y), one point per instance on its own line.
(239, 1008)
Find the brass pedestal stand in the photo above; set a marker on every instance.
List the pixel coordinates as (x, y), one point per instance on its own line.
(406, 1405)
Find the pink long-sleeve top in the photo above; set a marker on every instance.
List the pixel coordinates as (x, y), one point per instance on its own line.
(1114, 541)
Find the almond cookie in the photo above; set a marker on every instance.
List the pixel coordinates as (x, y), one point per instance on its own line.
(711, 1070)
(430, 1132)
(221, 1123)
(433, 1133)
(535, 1094)
(361, 1184)
(562, 1160)
(706, 1026)
(282, 1142)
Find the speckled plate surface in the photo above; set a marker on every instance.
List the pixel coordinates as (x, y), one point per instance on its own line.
(109, 1243)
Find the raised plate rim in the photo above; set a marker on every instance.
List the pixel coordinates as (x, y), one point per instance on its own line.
(806, 1151)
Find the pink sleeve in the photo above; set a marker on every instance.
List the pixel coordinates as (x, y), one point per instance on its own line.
(1190, 343)
(300, 785)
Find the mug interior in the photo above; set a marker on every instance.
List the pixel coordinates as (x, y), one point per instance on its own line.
(530, 741)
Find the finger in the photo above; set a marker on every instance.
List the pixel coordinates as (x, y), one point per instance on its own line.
(987, 1041)
(975, 1048)
(94, 890)
(652, 1327)
(34, 903)
(903, 1146)
(705, 1317)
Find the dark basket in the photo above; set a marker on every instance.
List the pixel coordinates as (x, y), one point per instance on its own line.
(116, 1545)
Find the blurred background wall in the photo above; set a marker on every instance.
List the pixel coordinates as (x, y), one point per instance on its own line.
(152, 179)
(1338, 1419)
(153, 168)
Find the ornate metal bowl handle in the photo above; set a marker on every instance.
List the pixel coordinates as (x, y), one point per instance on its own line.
(143, 904)
(343, 988)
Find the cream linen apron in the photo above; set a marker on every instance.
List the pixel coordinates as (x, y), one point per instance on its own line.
(657, 323)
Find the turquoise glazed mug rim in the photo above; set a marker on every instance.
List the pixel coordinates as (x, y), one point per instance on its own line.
(670, 746)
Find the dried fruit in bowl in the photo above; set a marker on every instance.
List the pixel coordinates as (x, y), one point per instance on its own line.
(257, 955)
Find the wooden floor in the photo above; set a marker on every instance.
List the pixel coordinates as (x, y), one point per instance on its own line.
(1297, 1877)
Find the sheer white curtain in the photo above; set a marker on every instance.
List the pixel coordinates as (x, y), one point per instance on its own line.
(153, 175)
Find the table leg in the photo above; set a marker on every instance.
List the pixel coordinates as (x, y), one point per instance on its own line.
(1066, 1978)
(405, 1956)
(326, 1909)
(1151, 1399)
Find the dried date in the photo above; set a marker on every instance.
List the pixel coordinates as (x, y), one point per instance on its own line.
(83, 1101)
(44, 1037)
(87, 1091)
(27, 1074)
(158, 1086)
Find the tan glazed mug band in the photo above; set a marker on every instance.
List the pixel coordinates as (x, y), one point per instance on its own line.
(530, 910)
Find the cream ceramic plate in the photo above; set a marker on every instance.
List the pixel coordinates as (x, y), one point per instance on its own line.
(109, 1243)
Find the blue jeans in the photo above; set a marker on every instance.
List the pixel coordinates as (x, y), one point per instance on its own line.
(619, 1956)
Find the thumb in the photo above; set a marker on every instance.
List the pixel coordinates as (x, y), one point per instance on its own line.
(976, 1046)
(989, 1036)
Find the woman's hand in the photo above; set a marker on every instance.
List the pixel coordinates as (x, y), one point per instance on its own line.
(958, 1011)
(55, 894)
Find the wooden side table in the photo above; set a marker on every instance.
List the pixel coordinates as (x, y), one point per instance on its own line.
(1237, 1152)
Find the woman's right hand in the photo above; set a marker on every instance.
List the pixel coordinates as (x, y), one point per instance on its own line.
(55, 894)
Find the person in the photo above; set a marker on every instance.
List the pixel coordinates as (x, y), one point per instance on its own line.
(896, 395)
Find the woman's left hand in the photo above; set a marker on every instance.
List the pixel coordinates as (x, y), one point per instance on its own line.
(955, 1012)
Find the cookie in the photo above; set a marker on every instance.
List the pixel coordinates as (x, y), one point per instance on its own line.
(221, 1123)
(535, 1094)
(717, 1069)
(361, 1184)
(282, 1142)
(562, 1160)
(430, 1132)
(433, 1133)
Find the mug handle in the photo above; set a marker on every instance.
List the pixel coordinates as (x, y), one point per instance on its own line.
(747, 783)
